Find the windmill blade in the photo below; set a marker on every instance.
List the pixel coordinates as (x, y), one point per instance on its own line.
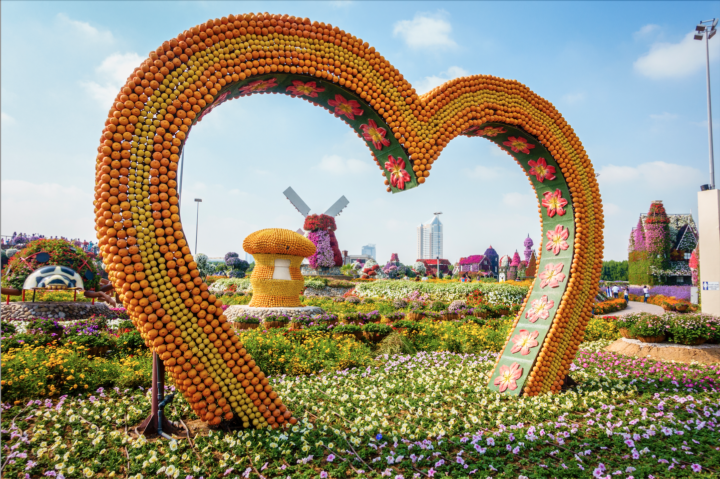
(299, 204)
(339, 205)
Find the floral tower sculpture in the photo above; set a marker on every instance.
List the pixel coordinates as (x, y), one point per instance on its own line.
(322, 234)
(514, 264)
(528, 243)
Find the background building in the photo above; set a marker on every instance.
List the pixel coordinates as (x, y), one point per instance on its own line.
(430, 239)
(369, 250)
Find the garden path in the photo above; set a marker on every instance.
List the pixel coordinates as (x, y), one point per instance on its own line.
(638, 307)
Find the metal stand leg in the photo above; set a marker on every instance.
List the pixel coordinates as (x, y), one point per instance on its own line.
(157, 421)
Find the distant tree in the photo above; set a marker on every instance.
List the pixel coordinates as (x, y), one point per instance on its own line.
(614, 271)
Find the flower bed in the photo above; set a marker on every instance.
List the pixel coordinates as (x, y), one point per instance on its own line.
(494, 293)
(667, 302)
(677, 292)
(688, 329)
(610, 306)
(404, 415)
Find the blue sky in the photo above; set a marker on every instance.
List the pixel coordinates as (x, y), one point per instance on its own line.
(626, 76)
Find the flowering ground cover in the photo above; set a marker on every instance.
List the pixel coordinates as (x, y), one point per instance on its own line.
(422, 415)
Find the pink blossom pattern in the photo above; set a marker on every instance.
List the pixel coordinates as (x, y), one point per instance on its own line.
(554, 202)
(218, 101)
(308, 89)
(557, 239)
(376, 135)
(542, 170)
(539, 309)
(349, 108)
(523, 341)
(489, 131)
(518, 145)
(552, 275)
(398, 175)
(257, 86)
(508, 377)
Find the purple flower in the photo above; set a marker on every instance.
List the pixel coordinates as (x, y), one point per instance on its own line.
(331, 458)
(323, 474)
(696, 467)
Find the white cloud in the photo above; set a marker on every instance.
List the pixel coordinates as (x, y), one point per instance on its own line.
(646, 31)
(674, 60)
(573, 98)
(610, 209)
(337, 165)
(426, 30)
(487, 173)
(519, 200)
(45, 208)
(428, 83)
(7, 119)
(657, 174)
(85, 29)
(112, 74)
(665, 116)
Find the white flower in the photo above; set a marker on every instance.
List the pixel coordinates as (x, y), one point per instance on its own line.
(87, 472)
(173, 445)
(59, 466)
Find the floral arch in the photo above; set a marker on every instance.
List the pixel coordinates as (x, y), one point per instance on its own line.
(141, 236)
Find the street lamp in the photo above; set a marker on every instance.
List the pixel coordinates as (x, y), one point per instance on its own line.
(706, 30)
(197, 221)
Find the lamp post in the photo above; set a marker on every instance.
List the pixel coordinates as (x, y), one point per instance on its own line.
(706, 30)
(197, 221)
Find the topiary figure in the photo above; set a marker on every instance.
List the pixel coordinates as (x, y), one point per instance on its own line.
(61, 253)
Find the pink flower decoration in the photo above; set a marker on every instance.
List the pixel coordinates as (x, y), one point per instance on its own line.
(349, 108)
(542, 170)
(376, 135)
(540, 309)
(489, 131)
(398, 175)
(518, 145)
(557, 238)
(523, 341)
(214, 104)
(552, 275)
(309, 89)
(260, 85)
(508, 376)
(554, 202)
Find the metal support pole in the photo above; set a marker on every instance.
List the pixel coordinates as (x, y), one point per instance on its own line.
(156, 423)
(709, 104)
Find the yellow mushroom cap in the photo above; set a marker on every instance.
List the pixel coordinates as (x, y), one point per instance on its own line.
(278, 241)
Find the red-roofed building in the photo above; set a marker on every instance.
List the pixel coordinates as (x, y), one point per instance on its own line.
(431, 266)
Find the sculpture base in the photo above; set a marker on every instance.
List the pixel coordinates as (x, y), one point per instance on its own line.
(306, 270)
(63, 310)
(704, 353)
(233, 312)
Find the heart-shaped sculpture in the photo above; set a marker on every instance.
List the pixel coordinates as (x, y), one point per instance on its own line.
(144, 247)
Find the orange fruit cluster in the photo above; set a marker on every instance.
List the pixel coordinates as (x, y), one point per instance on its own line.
(136, 201)
(278, 241)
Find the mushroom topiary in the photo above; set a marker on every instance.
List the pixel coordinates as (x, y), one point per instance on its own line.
(276, 279)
